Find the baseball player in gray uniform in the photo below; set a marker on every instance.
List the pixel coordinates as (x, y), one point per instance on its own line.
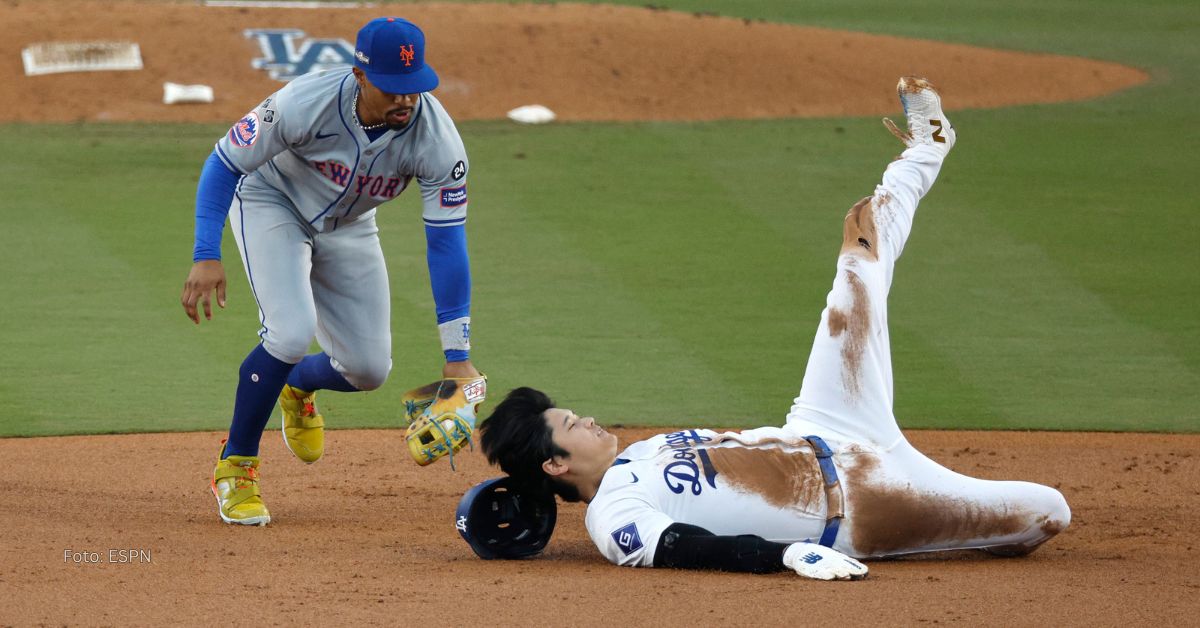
(836, 483)
(300, 177)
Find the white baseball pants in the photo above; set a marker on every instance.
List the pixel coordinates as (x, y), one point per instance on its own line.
(896, 500)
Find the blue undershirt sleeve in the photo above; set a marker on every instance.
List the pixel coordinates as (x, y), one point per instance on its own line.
(214, 193)
(450, 276)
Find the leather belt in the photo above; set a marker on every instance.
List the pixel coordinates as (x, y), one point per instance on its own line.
(833, 490)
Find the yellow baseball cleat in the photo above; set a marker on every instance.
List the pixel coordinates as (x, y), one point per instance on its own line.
(235, 485)
(303, 427)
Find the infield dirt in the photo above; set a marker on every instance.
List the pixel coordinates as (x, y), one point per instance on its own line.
(585, 62)
(104, 530)
(364, 536)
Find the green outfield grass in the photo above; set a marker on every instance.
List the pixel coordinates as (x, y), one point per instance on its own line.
(674, 273)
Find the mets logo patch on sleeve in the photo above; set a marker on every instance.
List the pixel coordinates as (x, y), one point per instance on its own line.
(453, 197)
(627, 538)
(245, 132)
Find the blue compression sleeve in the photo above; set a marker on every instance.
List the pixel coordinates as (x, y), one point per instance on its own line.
(213, 196)
(316, 372)
(450, 276)
(260, 379)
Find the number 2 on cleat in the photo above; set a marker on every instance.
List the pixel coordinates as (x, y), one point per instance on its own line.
(937, 132)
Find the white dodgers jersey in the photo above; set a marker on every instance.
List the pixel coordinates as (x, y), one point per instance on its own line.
(303, 147)
(764, 481)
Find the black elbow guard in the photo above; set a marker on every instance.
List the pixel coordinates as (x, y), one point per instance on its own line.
(685, 546)
(677, 545)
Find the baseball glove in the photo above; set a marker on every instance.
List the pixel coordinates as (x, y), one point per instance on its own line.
(441, 417)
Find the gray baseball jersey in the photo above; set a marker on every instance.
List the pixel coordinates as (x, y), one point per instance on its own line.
(304, 215)
(304, 141)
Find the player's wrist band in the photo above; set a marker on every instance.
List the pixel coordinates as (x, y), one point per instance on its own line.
(456, 334)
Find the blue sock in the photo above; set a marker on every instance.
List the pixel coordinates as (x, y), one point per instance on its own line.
(316, 372)
(260, 380)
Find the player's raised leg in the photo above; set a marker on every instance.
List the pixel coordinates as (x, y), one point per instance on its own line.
(353, 325)
(847, 387)
(350, 292)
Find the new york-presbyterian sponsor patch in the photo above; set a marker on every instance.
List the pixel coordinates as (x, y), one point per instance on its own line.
(245, 132)
(627, 538)
(453, 197)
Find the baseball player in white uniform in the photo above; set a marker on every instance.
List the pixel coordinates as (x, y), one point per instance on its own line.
(836, 483)
(300, 177)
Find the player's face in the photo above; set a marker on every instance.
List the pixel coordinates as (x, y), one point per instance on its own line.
(591, 447)
(375, 106)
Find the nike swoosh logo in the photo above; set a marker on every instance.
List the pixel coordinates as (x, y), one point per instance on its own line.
(327, 135)
(635, 477)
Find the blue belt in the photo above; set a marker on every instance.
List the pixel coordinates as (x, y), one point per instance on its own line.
(835, 507)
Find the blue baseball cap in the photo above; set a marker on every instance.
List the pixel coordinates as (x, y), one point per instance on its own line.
(391, 52)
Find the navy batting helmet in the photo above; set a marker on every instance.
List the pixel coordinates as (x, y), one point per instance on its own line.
(499, 520)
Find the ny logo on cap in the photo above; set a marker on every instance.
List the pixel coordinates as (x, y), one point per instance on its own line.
(406, 55)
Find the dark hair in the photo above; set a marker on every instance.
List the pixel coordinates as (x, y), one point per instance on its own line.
(517, 438)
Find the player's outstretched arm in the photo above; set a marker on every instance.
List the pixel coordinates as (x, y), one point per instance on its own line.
(214, 193)
(205, 277)
(685, 546)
